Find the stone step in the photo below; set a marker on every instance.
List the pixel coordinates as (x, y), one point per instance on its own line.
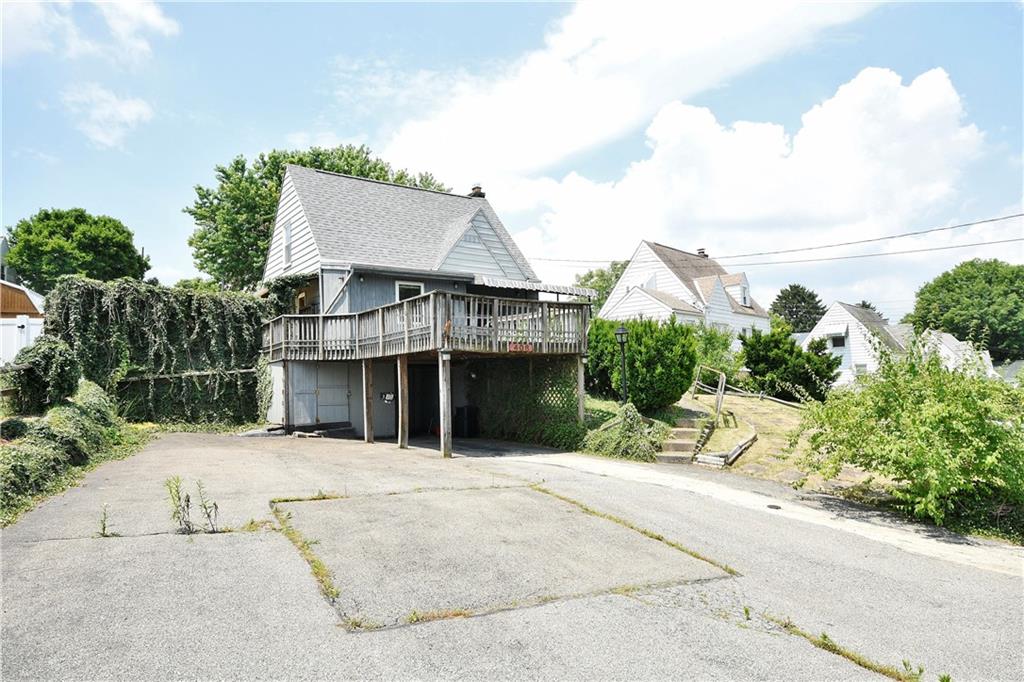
(685, 433)
(687, 423)
(678, 446)
(674, 458)
(712, 459)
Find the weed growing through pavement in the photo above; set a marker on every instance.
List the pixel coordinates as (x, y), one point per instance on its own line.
(746, 613)
(105, 531)
(316, 565)
(823, 641)
(427, 616)
(209, 508)
(181, 505)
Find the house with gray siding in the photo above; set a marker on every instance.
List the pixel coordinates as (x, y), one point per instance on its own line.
(662, 282)
(404, 289)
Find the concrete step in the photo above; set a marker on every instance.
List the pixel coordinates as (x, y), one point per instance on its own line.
(678, 446)
(685, 433)
(687, 423)
(712, 459)
(674, 458)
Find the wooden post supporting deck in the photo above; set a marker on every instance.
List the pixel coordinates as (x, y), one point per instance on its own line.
(368, 400)
(403, 401)
(444, 363)
(580, 390)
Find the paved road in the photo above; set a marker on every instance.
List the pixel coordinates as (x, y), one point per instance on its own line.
(542, 587)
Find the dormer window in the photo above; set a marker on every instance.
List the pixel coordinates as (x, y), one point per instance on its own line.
(838, 341)
(286, 232)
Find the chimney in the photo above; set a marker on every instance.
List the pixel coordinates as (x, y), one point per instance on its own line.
(702, 253)
(477, 191)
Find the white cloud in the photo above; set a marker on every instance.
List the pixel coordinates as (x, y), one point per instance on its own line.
(104, 117)
(604, 70)
(322, 138)
(30, 27)
(878, 157)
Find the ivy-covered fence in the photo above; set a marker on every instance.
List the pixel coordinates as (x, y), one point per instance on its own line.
(164, 354)
(532, 400)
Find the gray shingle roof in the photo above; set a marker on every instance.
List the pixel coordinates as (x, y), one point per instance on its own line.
(890, 335)
(671, 301)
(686, 266)
(355, 220)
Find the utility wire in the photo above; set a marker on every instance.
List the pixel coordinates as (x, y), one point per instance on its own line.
(878, 255)
(822, 246)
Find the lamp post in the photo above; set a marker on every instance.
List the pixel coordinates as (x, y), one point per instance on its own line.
(620, 335)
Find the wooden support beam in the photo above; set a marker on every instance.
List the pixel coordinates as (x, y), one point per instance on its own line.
(368, 400)
(580, 390)
(403, 401)
(444, 375)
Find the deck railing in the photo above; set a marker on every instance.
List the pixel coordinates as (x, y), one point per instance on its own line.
(460, 322)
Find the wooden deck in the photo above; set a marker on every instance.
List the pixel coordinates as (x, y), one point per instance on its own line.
(431, 322)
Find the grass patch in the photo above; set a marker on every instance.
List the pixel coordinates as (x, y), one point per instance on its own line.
(320, 495)
(253, 526)
(643, 531)
(319, 569)
(905, 674)
(199, 427)
(427, 616)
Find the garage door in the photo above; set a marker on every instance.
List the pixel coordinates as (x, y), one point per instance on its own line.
(319, 393)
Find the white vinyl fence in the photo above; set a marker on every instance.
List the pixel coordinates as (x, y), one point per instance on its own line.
(16, 333)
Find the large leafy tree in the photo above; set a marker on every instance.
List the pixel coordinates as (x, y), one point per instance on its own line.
(235, 219)
(799, 306)
(602, 280)
(979, 300)
(56, 242)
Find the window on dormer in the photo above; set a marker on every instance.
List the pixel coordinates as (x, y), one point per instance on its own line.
(744, 298)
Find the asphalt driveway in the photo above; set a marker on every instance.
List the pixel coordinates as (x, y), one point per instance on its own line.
(531, 564)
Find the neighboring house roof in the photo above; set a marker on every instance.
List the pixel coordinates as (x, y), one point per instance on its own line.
(1010, 370)
(18, 300)
(705, 285)
(894, 338)
(360, 221)
(686, 266)
(674, 303)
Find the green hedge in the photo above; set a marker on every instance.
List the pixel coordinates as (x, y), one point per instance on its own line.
(44, 374)
(781, 368)
(532, 400)
(69, 435)
(143, 343)
(660, 359)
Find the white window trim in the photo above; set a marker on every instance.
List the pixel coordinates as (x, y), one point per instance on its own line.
(400, 283)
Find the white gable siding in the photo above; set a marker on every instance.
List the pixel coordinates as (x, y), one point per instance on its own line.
(480, 251)
(636, 304)
(304, 255)
(858, 349)
(644, 265)
(719, 313)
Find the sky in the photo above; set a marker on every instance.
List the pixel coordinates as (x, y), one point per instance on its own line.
(737, 128)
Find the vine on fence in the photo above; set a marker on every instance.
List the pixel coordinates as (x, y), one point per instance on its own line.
(144, 343)
(527, 399)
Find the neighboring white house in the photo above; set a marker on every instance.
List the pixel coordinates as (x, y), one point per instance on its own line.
(848, 330)
(21, 318)
(661, 282)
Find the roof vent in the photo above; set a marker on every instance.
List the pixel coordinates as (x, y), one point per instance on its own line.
(702, 253)
(477, 191)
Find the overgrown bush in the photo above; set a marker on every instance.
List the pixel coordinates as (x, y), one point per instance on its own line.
(70, 434)
(48, 373)
(951, 441)
(144, 343)
(715, 349)
(13, 427)
(660, 359)
(781, 368)
(628, 436)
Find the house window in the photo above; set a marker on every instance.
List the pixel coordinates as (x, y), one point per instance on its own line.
(744, 298)
(287, 234)
(404, 290)
(838, 341)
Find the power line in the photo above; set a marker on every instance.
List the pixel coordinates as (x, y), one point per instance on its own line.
(816, 248)
(878, 255)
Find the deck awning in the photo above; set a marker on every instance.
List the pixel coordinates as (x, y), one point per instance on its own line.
(501, 283)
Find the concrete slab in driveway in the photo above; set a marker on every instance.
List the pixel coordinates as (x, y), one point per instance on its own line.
(477, 551)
